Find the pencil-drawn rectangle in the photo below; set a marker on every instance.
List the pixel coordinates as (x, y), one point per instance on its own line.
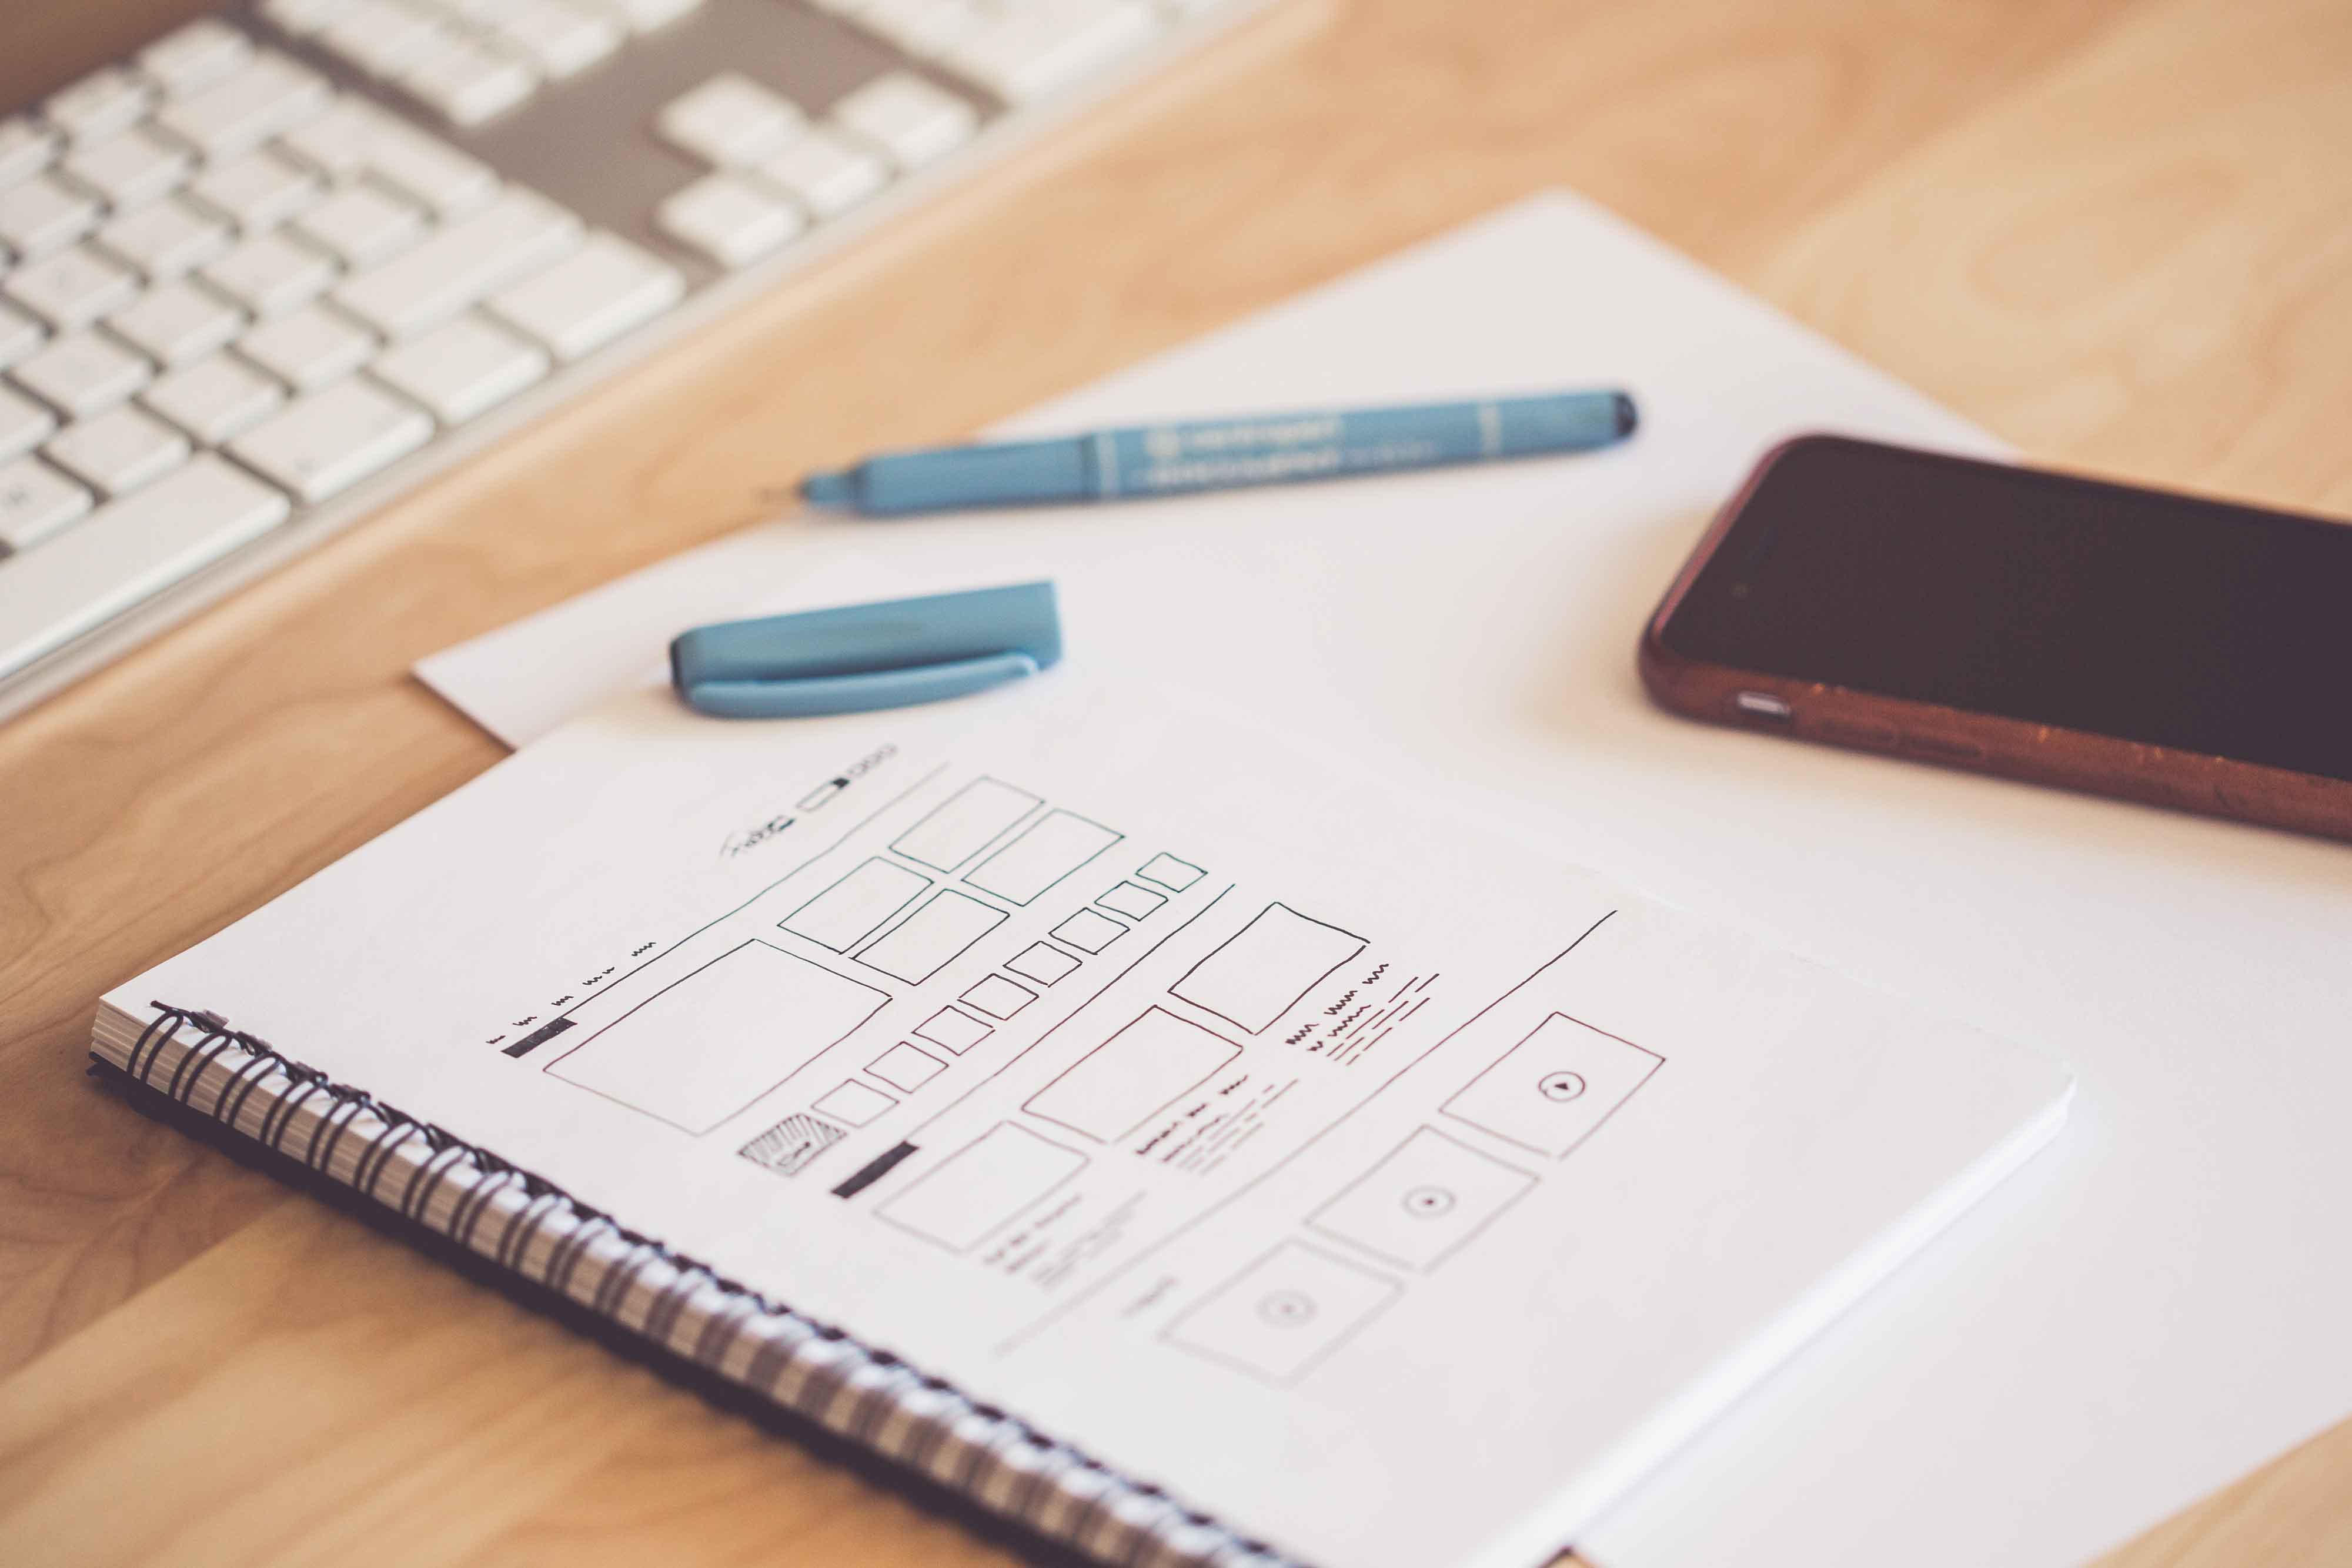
(1043, 963)
(965, 823)
(927, 940)
(1429, 1197)
(1050, 849)
(906, 1067)
(1089, 932)
(1285, 1313)
(1131, 900)
(1267, 968)
(957, 1031)
(1170, 873)
(855, 1103)
(1114, 1089)
(998, 996)
(1549, 1091)
(707, 1045)
(982, 1186)
(791, 1143)
(855, 908)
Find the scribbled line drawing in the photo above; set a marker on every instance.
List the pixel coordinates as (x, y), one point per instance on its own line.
(905, 1067)
(982, 1186)
(957, 1032)
(1043, 963)
(1132, 900)
(537, 1037)
(1284, 1314)
(856, 1104)
(1048, 850)
(856, 906)
(1089, 932)
(1267, 968)
(1115, 1088)
(965, 823)
(1423, 1202)
(1553, 1090)
(791, 1143)
(708, 1044)
(929, 939)
(997, 996)
(1170, 873)
(874, 1170)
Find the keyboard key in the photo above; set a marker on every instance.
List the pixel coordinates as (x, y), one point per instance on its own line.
(215, 398)
(127, 551)
(36, 501)
(727, 218)
(24, 424)
(429, 283)
(39, 215)
(911, 119)
(645, 16)
(73, 287)
(323, 444)
(467, 83)
(591, 297)
(313, 346)
(559, 40)
(176, 322)
(921, 27)
(202, 51)
(166, 238)
(463, 368)
(335, 140)
(107, 100)
(25, 149)
(450, 182)
(270, 273)
(360, 224)
(1029, 54)
(19, 334)
(82, 372)
(130, 168)
(119, 451)
(383, 37)
(303, 17)
(729, 120)
(266, 94)
(824, 173)
(258, 191)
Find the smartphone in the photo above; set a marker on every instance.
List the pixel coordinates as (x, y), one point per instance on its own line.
(2157, 647)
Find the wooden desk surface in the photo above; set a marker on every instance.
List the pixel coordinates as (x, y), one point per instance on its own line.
(2118, 232)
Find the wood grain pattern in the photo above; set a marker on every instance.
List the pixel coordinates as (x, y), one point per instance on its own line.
(2120, 232)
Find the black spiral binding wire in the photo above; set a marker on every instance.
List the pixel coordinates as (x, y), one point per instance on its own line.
(1008, 1470)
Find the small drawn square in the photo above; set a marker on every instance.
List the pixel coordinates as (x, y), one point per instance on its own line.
(906, 1067)
(998, 996)
(1132, 901)
(957, 1032)
(791, 1143)
(1170, 873)
(856, 1104)
(1043, 963)
(1089, 932)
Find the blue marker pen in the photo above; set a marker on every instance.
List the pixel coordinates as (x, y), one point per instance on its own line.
(1224, 454)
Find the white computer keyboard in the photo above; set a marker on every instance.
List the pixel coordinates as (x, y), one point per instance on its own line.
(284, 262)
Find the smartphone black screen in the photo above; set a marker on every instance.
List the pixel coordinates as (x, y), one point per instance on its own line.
(2180, 623)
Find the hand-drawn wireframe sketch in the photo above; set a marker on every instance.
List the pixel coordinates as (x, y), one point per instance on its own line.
(855, 1103)
(982, 1186)
(905, 1067)
(929, 939)
(965, 823)
(1553, 1088)
(791, 1143)
(1132, 900)
(708, 1044)
(1427, 1197)
(1089, 932)
(1043, 963)
(1284, 1314)
(1170, 873)
(856, 906)
(956, 1031)
(997, 996)
(1267, 968)
(1114, 1089)
(1048, 850)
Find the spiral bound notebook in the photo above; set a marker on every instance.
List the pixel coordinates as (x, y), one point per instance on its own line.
(1142, 1126)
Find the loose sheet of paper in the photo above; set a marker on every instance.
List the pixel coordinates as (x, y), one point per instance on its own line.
(1391, 1191)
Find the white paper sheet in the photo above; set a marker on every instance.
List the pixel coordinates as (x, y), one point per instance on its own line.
(2140, 1318)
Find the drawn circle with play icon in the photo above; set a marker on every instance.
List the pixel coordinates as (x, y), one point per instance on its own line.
(1559, 1085)
(1428, 1202)
(1287, 1309)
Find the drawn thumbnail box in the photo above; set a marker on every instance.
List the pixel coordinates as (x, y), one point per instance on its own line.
(1553, 1088)
(982, 1186)
(1267, 968)
(1115, 1088)
(1285, 1313)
